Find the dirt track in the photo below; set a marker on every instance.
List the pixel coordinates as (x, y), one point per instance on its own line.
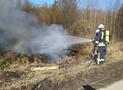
(115, 86)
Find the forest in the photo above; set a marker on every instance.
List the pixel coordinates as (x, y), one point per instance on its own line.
(81, 21)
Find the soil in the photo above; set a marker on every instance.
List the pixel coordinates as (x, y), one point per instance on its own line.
(69, 78)
(74, 74)
(74, 79)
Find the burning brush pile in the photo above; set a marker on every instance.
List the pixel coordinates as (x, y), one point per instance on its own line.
(76, 55)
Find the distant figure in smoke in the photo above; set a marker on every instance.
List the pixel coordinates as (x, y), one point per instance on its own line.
(100, 43)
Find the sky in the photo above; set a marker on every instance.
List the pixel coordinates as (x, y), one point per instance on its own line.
(41, 2)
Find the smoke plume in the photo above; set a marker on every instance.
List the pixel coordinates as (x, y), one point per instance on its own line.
(21, 33)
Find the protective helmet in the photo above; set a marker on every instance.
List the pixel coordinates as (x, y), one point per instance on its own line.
(101, 26)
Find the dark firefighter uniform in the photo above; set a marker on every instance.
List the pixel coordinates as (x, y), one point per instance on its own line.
(102, 46)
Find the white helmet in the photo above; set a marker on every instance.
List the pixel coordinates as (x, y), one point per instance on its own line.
(101, 26)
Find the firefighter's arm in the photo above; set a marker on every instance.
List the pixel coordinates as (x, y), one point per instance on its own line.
(97, 37)
(96, 40)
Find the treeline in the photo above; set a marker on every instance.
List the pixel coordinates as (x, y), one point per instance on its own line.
(81, 22)
(64, 12)
(119, 24)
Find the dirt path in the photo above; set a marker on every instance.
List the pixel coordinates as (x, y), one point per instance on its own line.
(115, 86)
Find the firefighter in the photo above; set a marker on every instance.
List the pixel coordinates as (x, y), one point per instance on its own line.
(101, 41)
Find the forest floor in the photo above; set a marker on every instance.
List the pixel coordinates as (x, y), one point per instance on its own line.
(70, 76)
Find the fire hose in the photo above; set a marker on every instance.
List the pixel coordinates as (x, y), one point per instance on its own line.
(94, 53)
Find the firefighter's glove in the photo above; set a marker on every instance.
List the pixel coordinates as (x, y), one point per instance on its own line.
(107, 43)
(93, 40)
(96, 42)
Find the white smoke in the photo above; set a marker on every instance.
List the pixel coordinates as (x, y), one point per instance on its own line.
(20, 32)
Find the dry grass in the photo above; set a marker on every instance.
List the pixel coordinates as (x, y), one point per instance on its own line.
(116, 50)
(73, 68)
